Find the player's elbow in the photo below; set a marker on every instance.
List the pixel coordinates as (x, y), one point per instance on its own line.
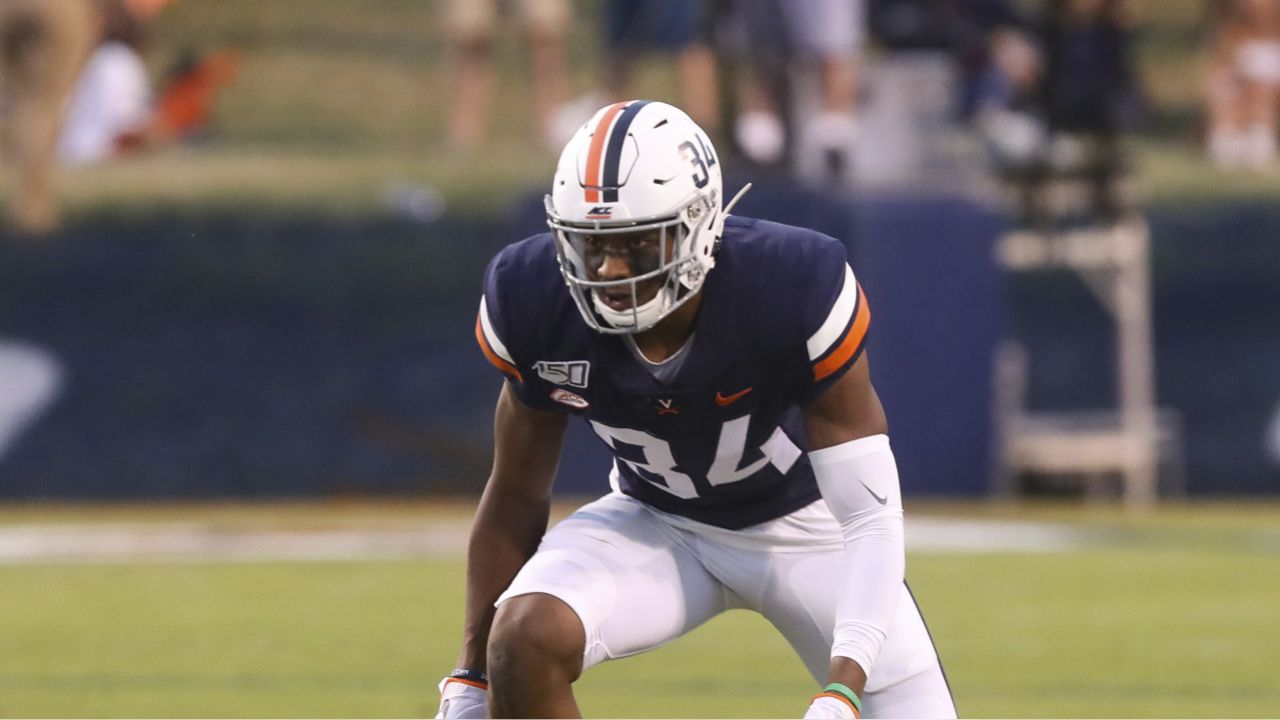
(879, 528)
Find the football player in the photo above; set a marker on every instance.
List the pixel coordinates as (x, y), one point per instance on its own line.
(721, 359)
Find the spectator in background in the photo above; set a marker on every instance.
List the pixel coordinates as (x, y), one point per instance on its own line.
(112, 111)
(112, 96)
(674, 27)
(990, 41)
(42, 46)
(1090, 91)
(1091, 85)
(756, 53)
(996, 53)
(987, 52)
(828, 37)
(1069, 93)
(1001, 98)
(1242, 84)
(790, 43)
(470, 28)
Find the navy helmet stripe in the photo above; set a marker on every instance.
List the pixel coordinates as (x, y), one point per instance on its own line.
(613, 154)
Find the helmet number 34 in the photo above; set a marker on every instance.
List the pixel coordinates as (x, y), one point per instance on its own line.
(701, 174)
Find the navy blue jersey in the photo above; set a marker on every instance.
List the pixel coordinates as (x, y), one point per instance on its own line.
(721, 442)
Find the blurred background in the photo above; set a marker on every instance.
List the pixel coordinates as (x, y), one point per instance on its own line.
(241, 256)
(246, 263)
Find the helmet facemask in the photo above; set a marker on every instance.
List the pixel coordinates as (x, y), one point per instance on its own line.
(644, 167)
(674, 262)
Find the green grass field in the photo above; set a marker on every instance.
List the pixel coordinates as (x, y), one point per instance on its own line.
(1175, 614)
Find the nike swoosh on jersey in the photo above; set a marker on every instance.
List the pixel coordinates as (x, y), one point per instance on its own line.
(879, 499)
(726, 400)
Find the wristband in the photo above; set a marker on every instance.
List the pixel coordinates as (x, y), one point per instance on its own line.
(843, 691)
(470, 676)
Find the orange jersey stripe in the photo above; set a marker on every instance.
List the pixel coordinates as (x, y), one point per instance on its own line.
(594, 168)
(506, 367)
(852, 341)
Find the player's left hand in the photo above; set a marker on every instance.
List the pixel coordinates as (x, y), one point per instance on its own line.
(826, 707)
(462, 701)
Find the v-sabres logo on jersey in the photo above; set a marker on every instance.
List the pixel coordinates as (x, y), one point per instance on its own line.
(573, 373)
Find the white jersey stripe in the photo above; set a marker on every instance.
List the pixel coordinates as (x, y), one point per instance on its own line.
(495, 343)
(837, 320)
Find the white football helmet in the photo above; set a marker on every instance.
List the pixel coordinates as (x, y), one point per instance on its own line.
(637, 166)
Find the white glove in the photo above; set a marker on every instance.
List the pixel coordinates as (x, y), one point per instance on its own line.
(462, 701)
(825, 707)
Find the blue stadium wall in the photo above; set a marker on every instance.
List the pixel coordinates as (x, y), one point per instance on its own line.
(244, 356)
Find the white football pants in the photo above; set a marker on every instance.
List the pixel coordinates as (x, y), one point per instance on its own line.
(638, 578)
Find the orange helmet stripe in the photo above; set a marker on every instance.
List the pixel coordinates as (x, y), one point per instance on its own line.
(594, 164)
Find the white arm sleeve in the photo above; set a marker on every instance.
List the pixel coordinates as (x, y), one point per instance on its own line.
(859, 481)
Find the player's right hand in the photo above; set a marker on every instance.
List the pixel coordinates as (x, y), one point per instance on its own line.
(462, 700)
(826, 707)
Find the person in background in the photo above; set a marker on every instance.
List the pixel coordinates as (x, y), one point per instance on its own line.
(996, 54)
(113, 111)
(828, 38)
(1090, 83)
(1090, 92)
(1065, 96)
(112, 96)
(787, 47)
(1242, 84)
(470, 27)
(991, 43)
(43, 45)
(675, 27)
(1001, 99)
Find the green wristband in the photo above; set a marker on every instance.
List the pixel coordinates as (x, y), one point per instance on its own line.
(843, 690)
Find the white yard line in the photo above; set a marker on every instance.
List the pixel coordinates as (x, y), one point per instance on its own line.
(197, 542)
(193, 542)
(952, 535)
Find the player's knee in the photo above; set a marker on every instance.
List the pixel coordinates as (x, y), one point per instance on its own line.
(536, 634)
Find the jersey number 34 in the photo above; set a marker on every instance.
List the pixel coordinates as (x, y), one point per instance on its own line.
(660, 463)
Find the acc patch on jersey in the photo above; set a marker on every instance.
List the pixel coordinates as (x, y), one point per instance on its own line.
(573, 373)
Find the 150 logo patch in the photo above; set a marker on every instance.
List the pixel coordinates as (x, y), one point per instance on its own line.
(573, 373)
